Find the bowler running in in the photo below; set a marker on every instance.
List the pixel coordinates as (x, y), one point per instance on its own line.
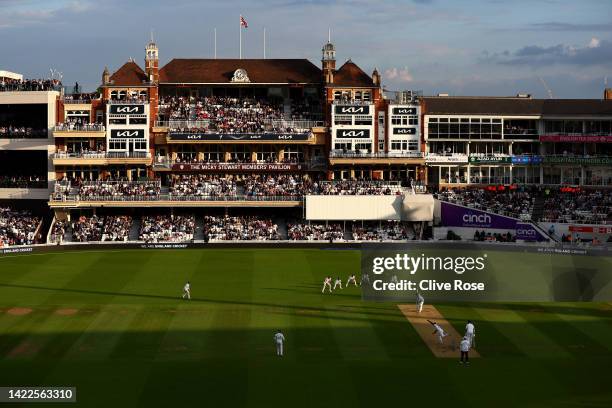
(439, 331)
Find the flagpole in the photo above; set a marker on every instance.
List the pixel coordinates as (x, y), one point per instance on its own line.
(240, 30)
(264, 42)
(215, 42)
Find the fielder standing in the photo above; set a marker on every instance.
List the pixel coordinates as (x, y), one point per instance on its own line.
(279, 339)
(187, 291)
(337, 283)
(470, 332)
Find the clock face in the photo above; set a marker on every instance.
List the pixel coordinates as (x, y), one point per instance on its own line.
(240, 75)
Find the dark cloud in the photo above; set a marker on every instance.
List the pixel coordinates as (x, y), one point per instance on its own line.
(598, 52)
(561, 26)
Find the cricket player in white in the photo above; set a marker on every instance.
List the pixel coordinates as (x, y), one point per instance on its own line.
(439, 331)
(337, 283)
(470, 332)
(364, 278)
(351, 279)
(464, 346)
(419, 302)
(279, 339)
(187, 291)
(394, 279)
(327, 283)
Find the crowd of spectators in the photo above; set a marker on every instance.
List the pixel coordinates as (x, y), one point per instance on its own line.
(93, 189)
(315, 232)
(221, 114)
(383, 231)
(20, 181)
(281, 185)
(164, 228)
(77, 125)
(7, 84)
(108, 228)
(18, 227)
(240, 229)
(587, 207)
(358, 187)
(22, 132)
(483, 236)
(58, 230)
(203, 185)
(512, 203)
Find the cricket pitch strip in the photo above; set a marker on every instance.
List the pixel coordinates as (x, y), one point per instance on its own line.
(450, 348)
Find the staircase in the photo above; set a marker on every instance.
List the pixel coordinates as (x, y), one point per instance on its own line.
(198, 234)
(287, 109)
(538, 208)
(134, 229)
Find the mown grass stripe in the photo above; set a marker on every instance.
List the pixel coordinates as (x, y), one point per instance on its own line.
(523, 334)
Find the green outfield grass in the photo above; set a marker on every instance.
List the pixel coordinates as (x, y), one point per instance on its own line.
(112, 324)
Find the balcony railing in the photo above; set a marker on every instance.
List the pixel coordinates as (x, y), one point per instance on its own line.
(336, 153)
(102, 155)
(58, 197)
(201, 126)
(132, 101)
(75, 127)
(32, 134)
(351, 102)
(167, 163)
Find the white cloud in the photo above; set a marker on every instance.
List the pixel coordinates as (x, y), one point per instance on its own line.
(398, 75)
(594, 43)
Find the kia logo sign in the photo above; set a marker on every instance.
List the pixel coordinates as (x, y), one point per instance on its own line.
(404, 111)
(126, 109)
(480, 219)
(404, 131)
(353, 110)
(353, 133)
(127, 134)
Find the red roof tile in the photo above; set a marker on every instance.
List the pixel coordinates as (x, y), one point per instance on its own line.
(351, 75)
(130, 74)
(265, 71)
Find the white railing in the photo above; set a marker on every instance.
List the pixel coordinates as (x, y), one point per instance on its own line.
(366, 154)
(75, 127)
(102, 155)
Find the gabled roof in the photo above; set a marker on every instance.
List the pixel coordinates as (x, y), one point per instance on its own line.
(515, 106)
(130, 74)
(220, 71)
(351, 75)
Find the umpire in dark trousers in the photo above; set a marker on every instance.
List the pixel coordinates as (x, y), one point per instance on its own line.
(464, 346)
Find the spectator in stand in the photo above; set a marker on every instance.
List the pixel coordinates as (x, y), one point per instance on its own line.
(7, 84)
(240, 228)
(513, 203)
(315, 232)
(163, 228)
(110, 228)
(203, 185)
(586, 207)
(18, 227)
(383, 231)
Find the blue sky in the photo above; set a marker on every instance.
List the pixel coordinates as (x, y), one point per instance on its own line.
(467, 47)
